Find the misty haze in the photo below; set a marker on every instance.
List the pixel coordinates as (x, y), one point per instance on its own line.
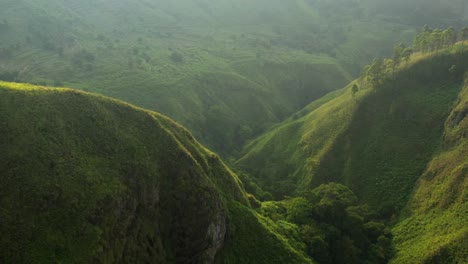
(234, 131)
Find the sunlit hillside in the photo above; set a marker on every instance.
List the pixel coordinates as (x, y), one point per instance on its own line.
(187, 59)
(90, 179)
(234, 131)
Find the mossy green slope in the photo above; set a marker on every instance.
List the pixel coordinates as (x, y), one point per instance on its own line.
(226, 108)
(434, 229)
(377, 141)
(395, 132)
(88, 179)
(283, 159)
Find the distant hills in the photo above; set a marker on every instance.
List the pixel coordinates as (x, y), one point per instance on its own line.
(170, 56)
(328, 160)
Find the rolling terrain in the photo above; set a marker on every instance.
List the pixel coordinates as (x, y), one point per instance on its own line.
(399, 145)
(90, 179)
(187, 59)
(329, 160)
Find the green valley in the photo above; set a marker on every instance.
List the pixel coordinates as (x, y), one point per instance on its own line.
(233, 131)
(387, 142)
(187, 59)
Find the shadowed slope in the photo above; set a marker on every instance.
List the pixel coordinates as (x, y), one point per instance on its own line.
(377, 141)
(89, 179)
(433, 229)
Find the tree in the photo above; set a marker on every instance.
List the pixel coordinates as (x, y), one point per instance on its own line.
(450, 37)
(299, 211)
(422, 42)
(355, 89)
(464, 33)
(397, 54)
(375, 71)
(436, 40)
(426, 29)
(330, 202)
(406, 54)
(337, 229)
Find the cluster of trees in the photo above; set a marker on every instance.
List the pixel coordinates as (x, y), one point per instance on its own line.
(435, 39)
(429, 40)
(336, 229)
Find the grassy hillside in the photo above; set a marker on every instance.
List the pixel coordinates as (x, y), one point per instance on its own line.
(377, 141)
(283, 160)
(187, 59)
(88, 179)
(433, 228)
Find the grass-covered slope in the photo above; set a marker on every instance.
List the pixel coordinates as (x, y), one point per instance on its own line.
(285, 158)
(377, 141)
(224, 108)
(434, 228)
(89, 179)
(192, 60)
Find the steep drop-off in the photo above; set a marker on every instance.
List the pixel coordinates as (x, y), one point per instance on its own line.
(85, 178)
(400, 145)
(377, 140)
(433, 228)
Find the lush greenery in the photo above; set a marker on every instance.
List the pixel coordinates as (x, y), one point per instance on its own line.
(255, 238)
(90, 179)
(378, 136)
(383, 129)
(433, 229)
(371, 173)
(226, 69)
(336, 229)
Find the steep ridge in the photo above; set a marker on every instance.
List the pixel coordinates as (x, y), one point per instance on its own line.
(395, 132)
(377, 140)
(88, 179)
(283, 158)
(433, 229)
